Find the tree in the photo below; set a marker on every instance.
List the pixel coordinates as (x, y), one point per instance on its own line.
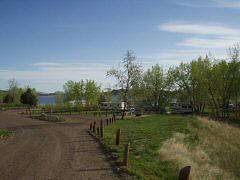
(92, 93)
(154, 82)
(219, 85)
(198, 87)
(189, 81)
(74, 91)
(8, 99)
(127, 74)
(234, 54)
(29, 97)
(14, 93)
(2, 96)
(79, 91)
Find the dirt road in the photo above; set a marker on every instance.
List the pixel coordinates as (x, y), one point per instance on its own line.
(43, 150)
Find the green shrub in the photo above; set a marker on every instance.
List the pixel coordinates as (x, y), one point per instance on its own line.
(4, 133)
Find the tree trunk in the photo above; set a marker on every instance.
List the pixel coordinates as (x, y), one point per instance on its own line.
(124, 106)
(236, 104)
(215, 103)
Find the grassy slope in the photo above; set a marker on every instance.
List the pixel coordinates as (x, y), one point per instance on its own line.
(162, 144)
(4, 133)
(146, 136)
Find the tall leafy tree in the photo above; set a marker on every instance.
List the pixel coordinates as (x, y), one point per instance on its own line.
(198, 88)
(127, 74)
(74, 91)
(92, 92)
(234, 54)
(154, 82)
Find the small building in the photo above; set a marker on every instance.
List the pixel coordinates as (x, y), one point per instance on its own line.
(115, 102)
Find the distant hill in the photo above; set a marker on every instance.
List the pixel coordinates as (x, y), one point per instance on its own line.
(48, 94)
(45, 94)
(3, 91)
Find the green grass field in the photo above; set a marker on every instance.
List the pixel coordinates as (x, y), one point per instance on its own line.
(146, 136)
(162, 144)
(4, 133)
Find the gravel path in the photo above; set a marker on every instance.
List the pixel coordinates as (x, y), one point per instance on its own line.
(43, 150)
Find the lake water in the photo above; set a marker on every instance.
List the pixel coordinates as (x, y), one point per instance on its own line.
(45, 100)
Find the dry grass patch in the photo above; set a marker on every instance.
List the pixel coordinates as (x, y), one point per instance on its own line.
(211, 148)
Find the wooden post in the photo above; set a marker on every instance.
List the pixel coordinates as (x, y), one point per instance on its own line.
(118, 137)
(94, 127)
(98, 130)
(184, 173)
(51, 114)
(101, 131)
(126, 154)
(30, 112)
(114, 117)
(107, 121)
(90, 128)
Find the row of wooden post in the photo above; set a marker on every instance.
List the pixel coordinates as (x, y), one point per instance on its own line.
(100, 132)
(100, 128)
(184, 172)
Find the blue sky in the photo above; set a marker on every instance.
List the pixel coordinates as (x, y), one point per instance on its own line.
(45, 43)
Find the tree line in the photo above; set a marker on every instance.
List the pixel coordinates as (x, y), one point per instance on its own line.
(208, 84)
(17, 96)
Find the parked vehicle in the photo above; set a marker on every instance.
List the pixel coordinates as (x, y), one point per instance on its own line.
(132, 110)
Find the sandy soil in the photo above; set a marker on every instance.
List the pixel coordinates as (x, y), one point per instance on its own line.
(44, 150)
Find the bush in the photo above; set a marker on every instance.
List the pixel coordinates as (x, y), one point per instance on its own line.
(29, 97)
(4, 133)
(8, 99)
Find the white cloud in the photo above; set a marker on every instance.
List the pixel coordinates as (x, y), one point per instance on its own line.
(210, 43)
(227, 3)
(42, 64)
(204, 35)
(189, 4)
(234, 4)
(51, 76)
(175, 57)
(202, 29)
